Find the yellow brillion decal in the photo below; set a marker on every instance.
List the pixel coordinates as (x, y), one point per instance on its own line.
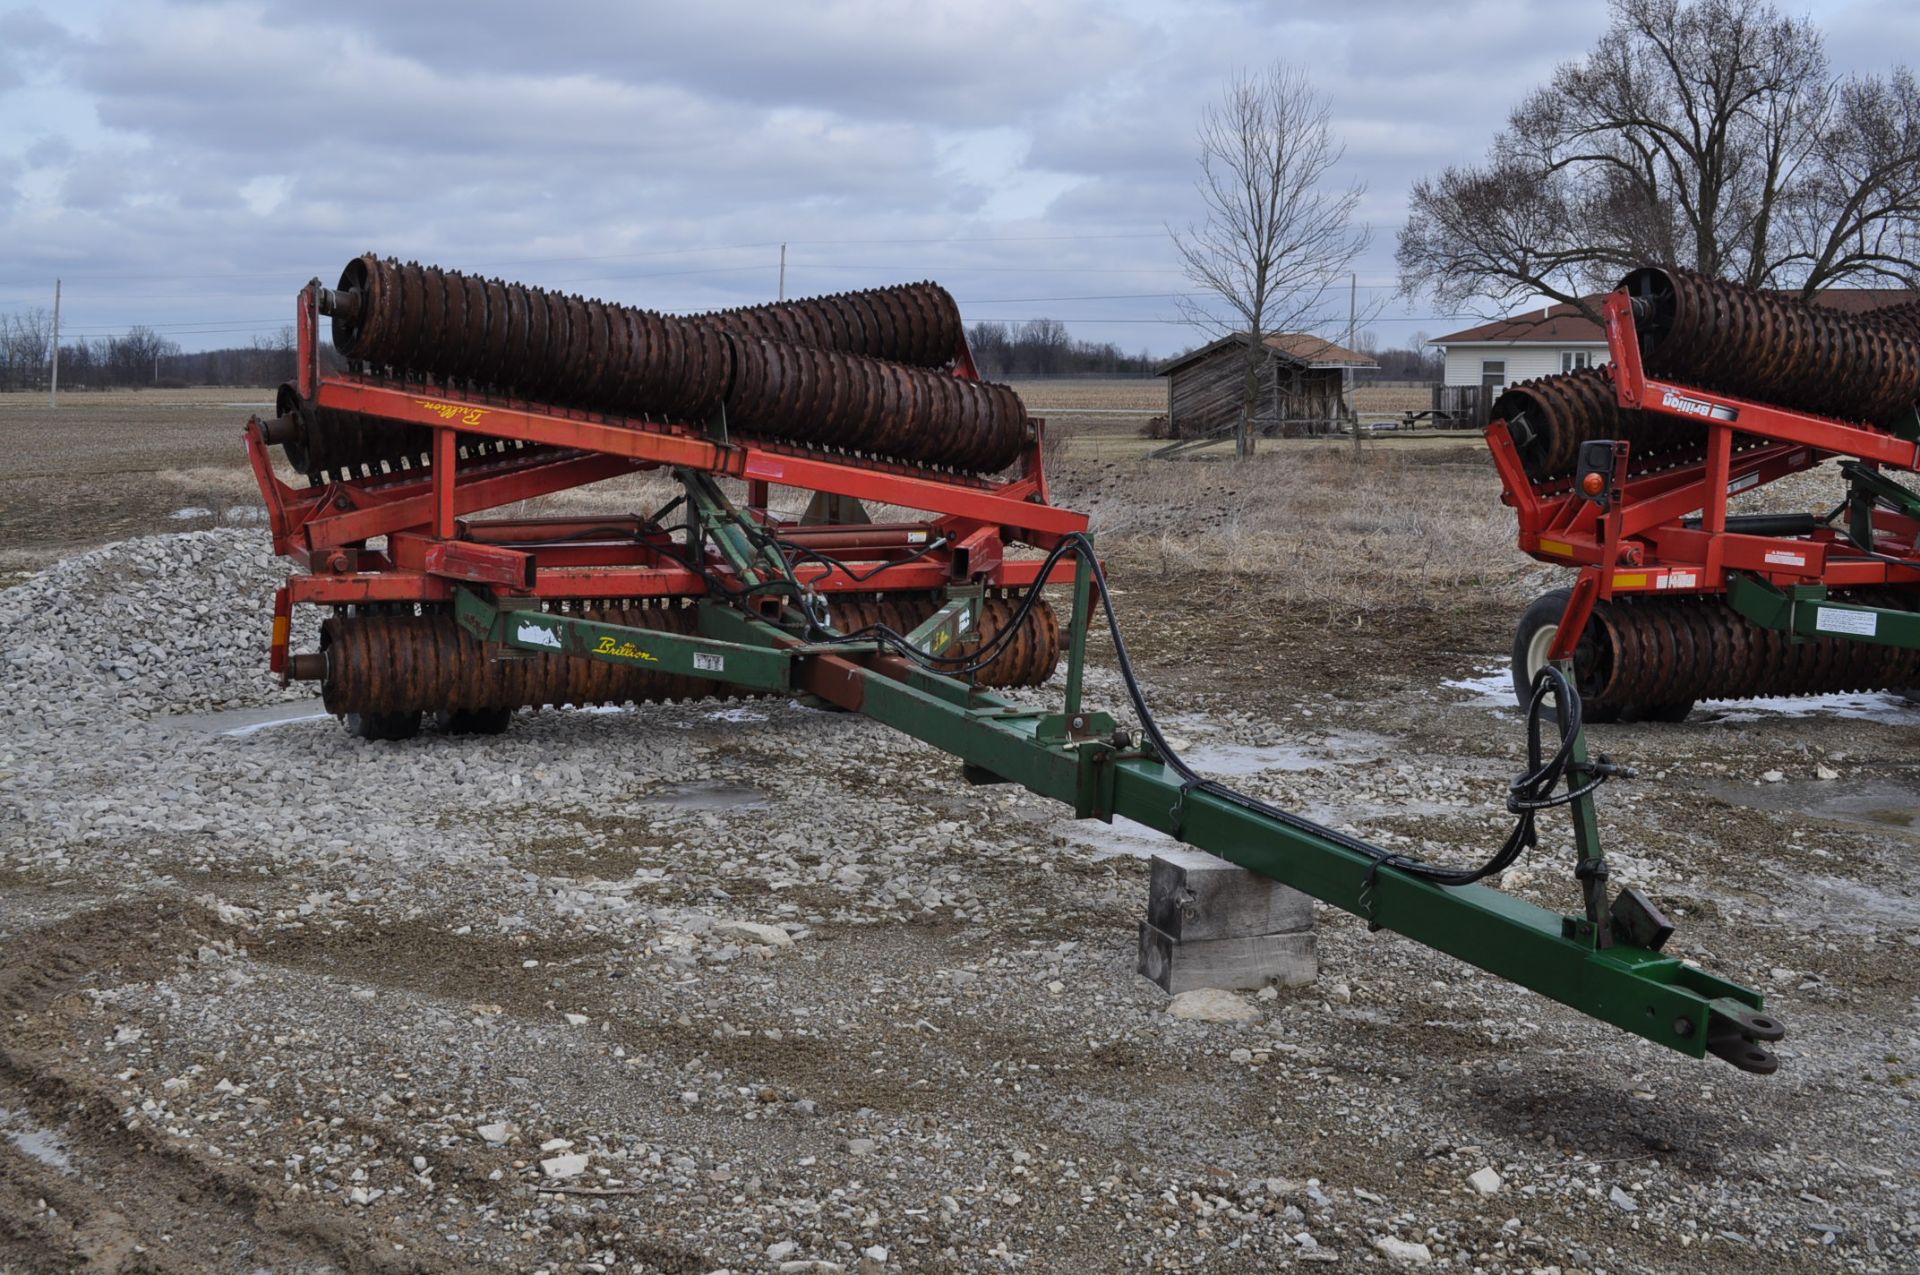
(1555, 546)
(453, 411)
(622, 650)
(1629, 579)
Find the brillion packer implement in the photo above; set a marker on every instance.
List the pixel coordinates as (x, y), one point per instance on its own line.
(466, 395)
(1627, 473)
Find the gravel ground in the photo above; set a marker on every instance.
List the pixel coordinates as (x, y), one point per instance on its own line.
(757, 988)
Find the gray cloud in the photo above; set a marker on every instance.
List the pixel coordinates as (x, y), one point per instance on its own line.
(194, 163)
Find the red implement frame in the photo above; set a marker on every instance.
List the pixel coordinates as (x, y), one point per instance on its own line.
(408, 536)
(1636, 539)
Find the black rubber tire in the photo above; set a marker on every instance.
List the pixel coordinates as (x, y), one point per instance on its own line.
(1543, 613)
(473, 721)
(382, 725)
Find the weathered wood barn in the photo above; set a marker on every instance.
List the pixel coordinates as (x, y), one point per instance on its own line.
(1302, 385)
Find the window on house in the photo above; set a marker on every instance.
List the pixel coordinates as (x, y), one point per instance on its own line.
(1493, 374)
(1571, 359)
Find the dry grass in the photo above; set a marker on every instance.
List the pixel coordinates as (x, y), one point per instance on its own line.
(1139, 394)
(1309, 527)
(1149, 394)
(1369, 400)
(1417, 522)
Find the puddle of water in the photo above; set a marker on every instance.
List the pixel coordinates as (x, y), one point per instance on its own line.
(1856, 898)
(1220, 759)
(736, 715)
(245, 721)
(1494, 690)
(1124, 838)
(713, 794)
(1879, 803)
(1229, 760)
(1876, 706)
(31, 1140)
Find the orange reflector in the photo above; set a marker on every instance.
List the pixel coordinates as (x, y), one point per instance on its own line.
(1593, 483)
(282, 631)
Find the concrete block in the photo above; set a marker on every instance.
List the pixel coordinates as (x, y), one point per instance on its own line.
(1234, 964)
(1194, 895)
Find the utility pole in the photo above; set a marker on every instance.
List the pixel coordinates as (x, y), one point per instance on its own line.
(1353, 417)
(783, 272)
(53, 386)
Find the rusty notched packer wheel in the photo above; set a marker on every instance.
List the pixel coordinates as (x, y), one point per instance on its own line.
(422, 321)
(374, 665)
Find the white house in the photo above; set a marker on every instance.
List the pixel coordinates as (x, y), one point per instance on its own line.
(1533, 343)
(1558, 338)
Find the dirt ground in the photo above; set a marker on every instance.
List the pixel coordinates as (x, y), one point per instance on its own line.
(275, 999)
(106, 466)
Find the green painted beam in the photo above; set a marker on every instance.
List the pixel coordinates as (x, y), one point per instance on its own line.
(948, 626)
(1651, 995)
(1807, 611)
(1646, 993)
(755, 667)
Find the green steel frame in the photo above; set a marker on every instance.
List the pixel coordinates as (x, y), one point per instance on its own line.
(1605, 963)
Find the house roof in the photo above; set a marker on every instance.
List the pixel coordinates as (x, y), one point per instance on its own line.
(1860, 300)
(1302, 348)
(1563, 324)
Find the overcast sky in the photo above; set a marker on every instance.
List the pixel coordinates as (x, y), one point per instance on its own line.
(188, 166)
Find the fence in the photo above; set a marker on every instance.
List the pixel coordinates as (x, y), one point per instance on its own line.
(1462, 406)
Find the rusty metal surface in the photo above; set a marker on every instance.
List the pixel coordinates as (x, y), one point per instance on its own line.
(1778, 349)
(1549, 417)
(1028, 660)
(325, 444)
(414, 320)
(402, 663)
(1650, 651)
(916, 323)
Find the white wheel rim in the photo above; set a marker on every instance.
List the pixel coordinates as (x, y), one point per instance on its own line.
(1537, 647)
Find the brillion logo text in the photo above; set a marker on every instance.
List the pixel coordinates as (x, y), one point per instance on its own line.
(1698, 407)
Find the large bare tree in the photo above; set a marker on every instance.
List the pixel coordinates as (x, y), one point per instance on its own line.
(1708, 134)
(1275, 240)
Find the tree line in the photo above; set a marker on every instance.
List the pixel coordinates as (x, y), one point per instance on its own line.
(139, 358)
(1043, 347)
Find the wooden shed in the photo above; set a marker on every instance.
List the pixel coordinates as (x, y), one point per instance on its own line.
(1303, 384)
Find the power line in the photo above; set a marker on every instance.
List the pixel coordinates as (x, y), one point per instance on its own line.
(662, 252)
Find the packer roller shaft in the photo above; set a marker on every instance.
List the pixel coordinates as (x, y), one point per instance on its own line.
(391, 664)
(805, 372)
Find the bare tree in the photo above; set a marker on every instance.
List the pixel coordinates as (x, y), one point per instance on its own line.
(1274, 241)
(26, 340)
(1706, 134)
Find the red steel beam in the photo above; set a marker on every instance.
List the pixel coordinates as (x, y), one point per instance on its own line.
(553, 582)
(650, 443)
